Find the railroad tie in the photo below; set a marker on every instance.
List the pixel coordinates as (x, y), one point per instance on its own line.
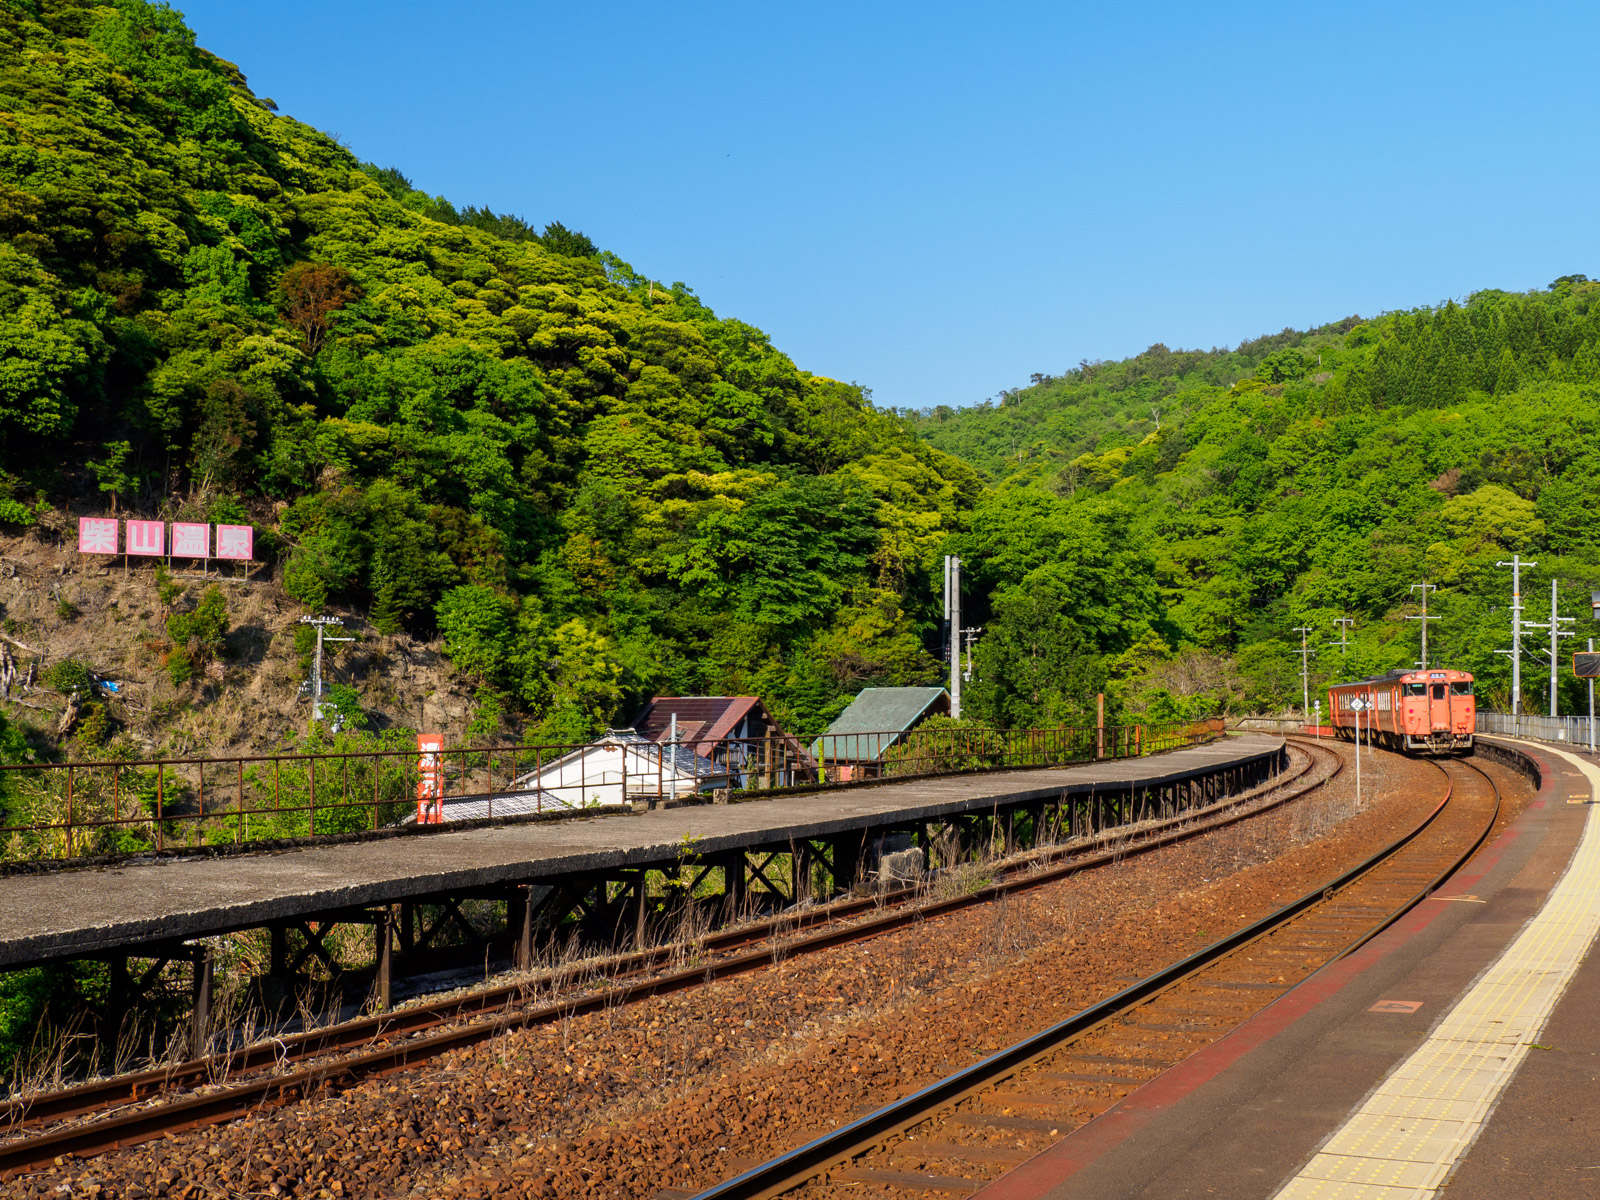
(911, 1179)
(994, 1121)
(1032, 1100)
(933, 1151)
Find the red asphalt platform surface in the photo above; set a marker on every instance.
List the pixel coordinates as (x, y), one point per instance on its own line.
(1241, 1117)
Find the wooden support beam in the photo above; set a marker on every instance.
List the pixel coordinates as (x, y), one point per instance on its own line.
(733, 885)
(383, 934)
(523, 906)
(280, 949)
(845, 863)
(200, 1010)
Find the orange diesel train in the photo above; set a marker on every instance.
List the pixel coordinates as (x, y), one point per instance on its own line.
(1429, 712)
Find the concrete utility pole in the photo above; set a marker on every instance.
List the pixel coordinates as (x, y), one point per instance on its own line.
(321, 624)
(1305, 670)
(1344, 624)
(1554, 625)
(1556, 622)
(952, 616)
(1516, 564)
(1424, 588)
(1591, 703)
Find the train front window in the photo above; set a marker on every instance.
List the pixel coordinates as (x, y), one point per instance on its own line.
(1438, 691)
(1461, 687)
(1416, 689)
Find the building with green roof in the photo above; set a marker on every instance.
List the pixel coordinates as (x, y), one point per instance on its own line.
(877, 719)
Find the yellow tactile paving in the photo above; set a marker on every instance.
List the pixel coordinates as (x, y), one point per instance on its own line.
(1406, 1137)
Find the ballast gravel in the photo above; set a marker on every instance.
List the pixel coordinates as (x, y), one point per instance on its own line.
(676, 1093)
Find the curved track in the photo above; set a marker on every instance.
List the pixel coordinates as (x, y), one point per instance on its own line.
(108, 1114)
(972, 1126)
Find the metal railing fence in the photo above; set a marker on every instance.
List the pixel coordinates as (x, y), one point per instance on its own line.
(1575, 731)
(112, 806)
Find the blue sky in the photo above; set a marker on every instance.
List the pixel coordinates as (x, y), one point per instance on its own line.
(937, 200)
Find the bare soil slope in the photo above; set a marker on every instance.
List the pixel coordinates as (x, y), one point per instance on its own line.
(56, 605)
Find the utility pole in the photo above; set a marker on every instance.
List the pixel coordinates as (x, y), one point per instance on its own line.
(1554, 625)
(952, 616)
(1344, 624)
(1424, 588)
(1516, 564)
(971, 636)
(1591, 703)
(1556, 621)
(1305, 670)
(321, 624)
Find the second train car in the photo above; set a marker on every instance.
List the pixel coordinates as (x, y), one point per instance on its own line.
(1423, 712)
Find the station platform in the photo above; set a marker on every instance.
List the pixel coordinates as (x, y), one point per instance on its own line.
(1456, 1054)
(60, 915)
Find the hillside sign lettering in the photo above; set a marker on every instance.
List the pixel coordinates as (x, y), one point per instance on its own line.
(149, 539)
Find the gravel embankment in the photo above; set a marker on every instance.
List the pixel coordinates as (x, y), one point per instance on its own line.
(684, 1090)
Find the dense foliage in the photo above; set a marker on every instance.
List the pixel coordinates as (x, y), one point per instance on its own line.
(594, 486)
(1163, 524)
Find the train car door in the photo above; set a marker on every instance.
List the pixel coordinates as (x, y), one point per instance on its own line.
(1439, 704)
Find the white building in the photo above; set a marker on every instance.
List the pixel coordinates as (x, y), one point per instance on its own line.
(618, 768)
(615, 769)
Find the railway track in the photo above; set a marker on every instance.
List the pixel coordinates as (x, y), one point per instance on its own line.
(109, 1114)
(969, 1128)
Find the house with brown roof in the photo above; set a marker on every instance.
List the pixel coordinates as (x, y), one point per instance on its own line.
(736, 733)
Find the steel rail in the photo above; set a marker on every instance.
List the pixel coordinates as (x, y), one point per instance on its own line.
(232, 1100)
(795, 1167)
(275, 1053)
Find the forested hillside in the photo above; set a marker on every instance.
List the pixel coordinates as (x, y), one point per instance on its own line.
(588, 483)
(472, 431)
(1162, 524)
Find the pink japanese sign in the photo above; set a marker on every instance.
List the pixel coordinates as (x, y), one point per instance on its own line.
(236, 541)
(97, 535)
(430, 778)
(191, 541)
(147, 538)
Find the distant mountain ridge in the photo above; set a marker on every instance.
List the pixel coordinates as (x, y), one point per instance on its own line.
(1299, 479)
